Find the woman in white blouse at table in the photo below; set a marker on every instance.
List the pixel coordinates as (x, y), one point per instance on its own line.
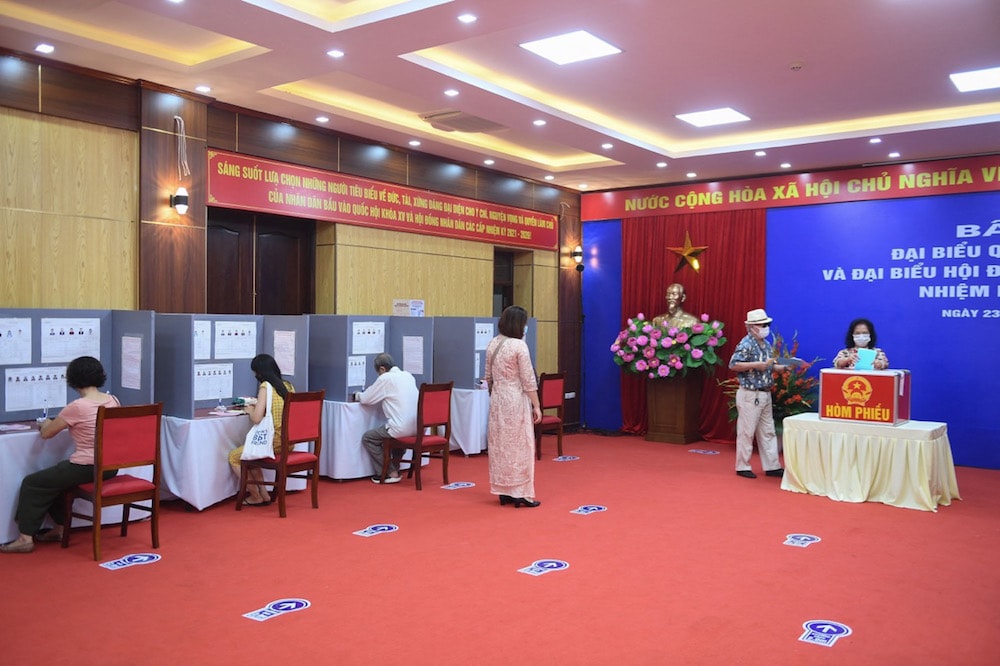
(860, 335)
(41, 492)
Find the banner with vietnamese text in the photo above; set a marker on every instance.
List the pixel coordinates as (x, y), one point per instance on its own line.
(896, 181)
(249, 183)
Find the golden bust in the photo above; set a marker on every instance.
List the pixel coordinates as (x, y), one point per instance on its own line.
(675, 317)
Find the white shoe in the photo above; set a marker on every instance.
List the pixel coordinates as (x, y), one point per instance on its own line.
(388, 479)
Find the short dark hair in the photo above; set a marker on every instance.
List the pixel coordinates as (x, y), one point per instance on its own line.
(85, 371)
(849, 340)
(384, 361)
(512, 322)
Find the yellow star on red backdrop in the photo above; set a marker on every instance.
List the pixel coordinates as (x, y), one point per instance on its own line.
(688, 254)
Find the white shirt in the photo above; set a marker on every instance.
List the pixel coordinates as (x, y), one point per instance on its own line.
(398, 393)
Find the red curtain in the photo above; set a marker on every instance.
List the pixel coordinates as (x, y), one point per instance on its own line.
(729, 283)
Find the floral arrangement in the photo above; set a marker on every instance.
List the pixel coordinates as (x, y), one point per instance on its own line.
(665, 351)
(795, 391)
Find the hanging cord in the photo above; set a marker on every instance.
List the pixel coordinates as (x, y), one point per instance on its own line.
(182, 158)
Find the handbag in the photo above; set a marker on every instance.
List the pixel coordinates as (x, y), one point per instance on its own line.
(259, 442)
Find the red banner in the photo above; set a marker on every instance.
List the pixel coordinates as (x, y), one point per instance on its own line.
(896, 181)
(249, 183)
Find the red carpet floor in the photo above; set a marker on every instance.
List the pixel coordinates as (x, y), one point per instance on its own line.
(687, 565)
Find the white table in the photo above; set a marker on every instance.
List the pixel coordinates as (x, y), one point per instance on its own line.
(24, 452)
(908, 465)
(195, 458)
(470, 412)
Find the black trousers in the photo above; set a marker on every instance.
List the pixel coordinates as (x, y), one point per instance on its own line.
(41, 493)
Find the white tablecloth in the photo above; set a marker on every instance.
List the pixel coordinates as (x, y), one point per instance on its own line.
(25, 452)
(470, 411)
(908, 465)
(195, 458)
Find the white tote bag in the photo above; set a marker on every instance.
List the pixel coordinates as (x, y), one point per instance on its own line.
(259, 442)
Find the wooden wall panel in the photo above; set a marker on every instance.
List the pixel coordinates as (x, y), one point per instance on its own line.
(286, 142)
(172, 260)
(454, 278)
(103, 101)
(18, 83)
(20, 160)
(222, 128)
(431, 173)
(326, 268)
(67, 213)
(89, 170)
(374, 161)
(497, 187)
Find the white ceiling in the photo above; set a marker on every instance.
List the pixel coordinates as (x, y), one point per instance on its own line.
(818, 78)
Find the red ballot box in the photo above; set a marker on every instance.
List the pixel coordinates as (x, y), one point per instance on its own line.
(868, 396)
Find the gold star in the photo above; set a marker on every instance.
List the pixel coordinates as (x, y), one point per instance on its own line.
(689, 253)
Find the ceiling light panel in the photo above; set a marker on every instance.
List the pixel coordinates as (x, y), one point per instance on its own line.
(571, 47)
(712, 117)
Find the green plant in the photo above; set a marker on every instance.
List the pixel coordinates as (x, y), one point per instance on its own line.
(664, 351)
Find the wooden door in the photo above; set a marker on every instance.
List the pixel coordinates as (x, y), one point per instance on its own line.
(260, 264)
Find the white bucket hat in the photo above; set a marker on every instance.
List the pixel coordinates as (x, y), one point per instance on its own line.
(757, 317)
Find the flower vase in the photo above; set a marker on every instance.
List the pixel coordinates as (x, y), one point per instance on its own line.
(672, 408)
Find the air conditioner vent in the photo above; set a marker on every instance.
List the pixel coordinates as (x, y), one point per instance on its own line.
(457, 121)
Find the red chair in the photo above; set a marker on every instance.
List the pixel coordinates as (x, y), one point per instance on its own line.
(551, 392)
(301, 421)
(125, 437)
(433, 411)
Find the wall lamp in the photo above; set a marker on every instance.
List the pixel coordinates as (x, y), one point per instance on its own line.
(577, 255)
(179, 201)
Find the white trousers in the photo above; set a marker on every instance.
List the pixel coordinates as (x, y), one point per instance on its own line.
(755, 420)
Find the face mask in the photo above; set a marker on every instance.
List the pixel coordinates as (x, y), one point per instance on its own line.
(764, 331)
(862, 340)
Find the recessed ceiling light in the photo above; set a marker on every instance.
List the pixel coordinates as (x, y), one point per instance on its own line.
(550, 177)
(571, 47)
(979, 79)
(874, 139)
(786, 165)
(712, 117)
(692, 174)
(414, 143)
(322, 119)
(538, 123)
(661, 165)
(761, 153)
(489, 162)
(607, 146)
(45, 48)
(335, 53)
(451, 92)
(203, 89)
(582, 186)
(893, 155)
(468, 18)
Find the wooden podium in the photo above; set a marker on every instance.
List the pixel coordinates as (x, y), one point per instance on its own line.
(672, 407)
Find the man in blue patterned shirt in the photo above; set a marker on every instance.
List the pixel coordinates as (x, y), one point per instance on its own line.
(752, 362)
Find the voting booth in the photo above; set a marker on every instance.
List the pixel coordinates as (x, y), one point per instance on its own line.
(865, 396)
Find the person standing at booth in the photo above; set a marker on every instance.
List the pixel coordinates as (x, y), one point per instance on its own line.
(753, 360)
(266, 371)
(514, 411)
(396, 390)
(860, 335)
(41, 492)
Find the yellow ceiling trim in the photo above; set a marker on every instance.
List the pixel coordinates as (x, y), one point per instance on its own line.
(442, 60)
(371, 110)
(46, 22)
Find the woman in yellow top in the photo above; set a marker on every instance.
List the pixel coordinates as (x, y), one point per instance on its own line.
(266, 370)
